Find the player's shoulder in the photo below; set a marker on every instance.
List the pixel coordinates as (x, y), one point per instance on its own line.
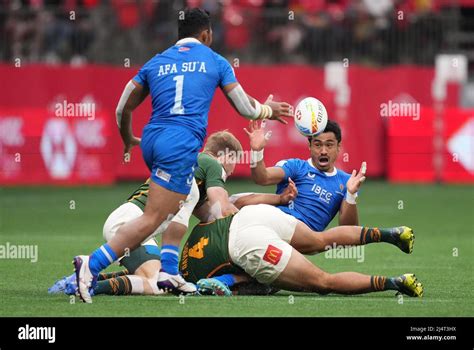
(205, 160)
(343, 175)
(218, 58)
(152, 62)
(293, 162)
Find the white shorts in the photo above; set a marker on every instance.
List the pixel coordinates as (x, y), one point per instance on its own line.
(259, 238)
(129, 211)
(123, 214)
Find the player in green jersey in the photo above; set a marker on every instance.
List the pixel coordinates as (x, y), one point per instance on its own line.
(208, 199)
(268, 245)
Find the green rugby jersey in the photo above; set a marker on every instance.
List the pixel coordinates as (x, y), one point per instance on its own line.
(209, 173)
(140, 195)
(206, 251)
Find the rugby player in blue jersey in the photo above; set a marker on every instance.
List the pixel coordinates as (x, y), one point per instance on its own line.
(181, 82)
(323, 190)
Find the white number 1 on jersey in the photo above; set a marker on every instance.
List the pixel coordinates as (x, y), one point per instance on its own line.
(178, 98)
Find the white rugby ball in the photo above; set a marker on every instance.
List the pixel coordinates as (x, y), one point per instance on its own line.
(311, 117)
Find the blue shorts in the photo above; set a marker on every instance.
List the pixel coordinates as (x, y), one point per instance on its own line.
(170, 152)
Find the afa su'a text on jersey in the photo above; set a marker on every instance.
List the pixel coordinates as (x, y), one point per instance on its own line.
(182, 81)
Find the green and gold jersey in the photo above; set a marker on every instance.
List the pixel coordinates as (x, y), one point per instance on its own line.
(140, 195)
(206, 251)
(209, 173)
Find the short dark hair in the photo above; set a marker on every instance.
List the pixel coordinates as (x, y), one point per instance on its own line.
(331, 126)
(194, 21)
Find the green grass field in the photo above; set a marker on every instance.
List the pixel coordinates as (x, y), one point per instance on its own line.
(442, 217)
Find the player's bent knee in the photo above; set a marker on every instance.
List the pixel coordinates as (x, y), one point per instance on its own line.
(153, 220)
(149, 269)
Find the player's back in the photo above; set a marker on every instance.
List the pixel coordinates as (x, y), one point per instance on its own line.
(206, 251)
(182, 81)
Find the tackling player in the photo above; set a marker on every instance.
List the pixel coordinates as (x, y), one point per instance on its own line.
(208, 199)
(268, 244)
(181, 81)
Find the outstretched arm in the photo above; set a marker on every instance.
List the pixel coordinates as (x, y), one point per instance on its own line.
(284, 198)
(348, 214)
(219, 203)
(260, 173)
(132, 96)
(250, 108)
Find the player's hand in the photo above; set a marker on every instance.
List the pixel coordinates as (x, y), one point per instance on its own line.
(257, 135)
(289, 193)
(128, 145)
(356, 179)
(280, 110)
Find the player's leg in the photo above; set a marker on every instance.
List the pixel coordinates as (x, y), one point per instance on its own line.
(124, 213)
(169, 278)
(143, 265)
(221, 285)
(307, 241)
(142, 282)
(254, 288)
(114, 274)
(259, 243)
(161, 202)
(140, 276)
(171, 154)
(301, 275)
(144, 269)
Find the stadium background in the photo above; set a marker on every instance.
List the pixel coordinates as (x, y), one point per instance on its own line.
(355, 56)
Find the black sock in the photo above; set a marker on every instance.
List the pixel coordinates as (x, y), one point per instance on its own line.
(380, 283)
(375, 234)
(114, 286)
(115, 274)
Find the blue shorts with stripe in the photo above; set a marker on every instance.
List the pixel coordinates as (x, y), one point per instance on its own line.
(171, 152)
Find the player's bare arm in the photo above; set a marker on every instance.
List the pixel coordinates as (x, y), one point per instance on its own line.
(284, 198)
(132, 96)
(250, 108)
(219, 203)
(348, 212)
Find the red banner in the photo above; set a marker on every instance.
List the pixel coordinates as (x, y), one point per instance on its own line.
(33, 92)
(38, 146)
(411, 147)
(458, 135)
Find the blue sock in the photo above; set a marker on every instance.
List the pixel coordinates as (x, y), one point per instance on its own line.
(101, 258)
(169, 259)
(227, 279)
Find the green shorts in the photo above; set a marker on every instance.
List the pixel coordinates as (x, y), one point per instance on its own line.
(140, 256)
